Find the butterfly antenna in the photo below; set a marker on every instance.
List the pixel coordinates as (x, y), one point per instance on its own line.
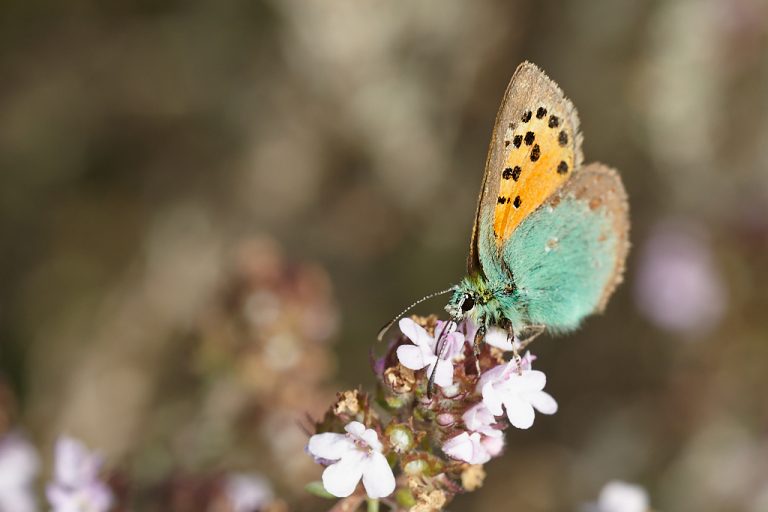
(389, 324)
(440, 350)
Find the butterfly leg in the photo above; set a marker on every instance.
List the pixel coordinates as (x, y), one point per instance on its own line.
(479, 336)
(530, 333)
(515, 350)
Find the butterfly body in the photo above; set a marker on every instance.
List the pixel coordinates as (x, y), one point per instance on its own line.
(550, 236)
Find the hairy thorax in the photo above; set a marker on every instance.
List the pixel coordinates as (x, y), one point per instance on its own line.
(484, 302)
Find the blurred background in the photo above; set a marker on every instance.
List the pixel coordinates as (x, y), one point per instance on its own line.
(208, 209)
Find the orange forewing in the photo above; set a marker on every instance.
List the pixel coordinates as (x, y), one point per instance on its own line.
(516, 168)
(540, 159)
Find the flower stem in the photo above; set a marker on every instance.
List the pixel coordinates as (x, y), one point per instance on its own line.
(373, 505)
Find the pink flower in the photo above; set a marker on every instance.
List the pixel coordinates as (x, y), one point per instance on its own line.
(422, 353)
(474, 447)
(247, 492)
(479, 418)
(481, 442)
(76, 486)
(356, 454)
(519, 391)
(678, 285)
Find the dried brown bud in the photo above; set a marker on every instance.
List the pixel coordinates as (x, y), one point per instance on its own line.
(348, 403)
(400, 379)
(431, 501)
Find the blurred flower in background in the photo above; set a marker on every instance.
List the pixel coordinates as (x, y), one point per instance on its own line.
(679, 286)
(77, 485)
(619, 496)
(246, 493)
(19, 468)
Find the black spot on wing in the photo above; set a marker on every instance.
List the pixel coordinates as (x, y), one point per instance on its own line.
(529, 138)
(535, 153)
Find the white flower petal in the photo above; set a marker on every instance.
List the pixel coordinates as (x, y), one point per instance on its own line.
(619, 496)
(341, 478)
(19, 462)
(247, 492)
(18, 500)
(532, 380)
(75, 465)
(493, 445)
(479, 418)
(355, 428)
(459, 447)
(444, 373)
(479, 454)
(499, 338)
(411, 356)
(455, 345)
(329, 445)
(542, 401)
(492, 399)
(495, 374)
(416, 333)
(371, 438)
(378, 479)
(470, 329)
(519, 412)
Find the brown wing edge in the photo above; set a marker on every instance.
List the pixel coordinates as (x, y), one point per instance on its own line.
(601, 186)
(530, 78)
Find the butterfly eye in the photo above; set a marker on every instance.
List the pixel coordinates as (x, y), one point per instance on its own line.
(467, 303)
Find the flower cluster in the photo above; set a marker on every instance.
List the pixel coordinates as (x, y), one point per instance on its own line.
(263, 348)
(435, 440)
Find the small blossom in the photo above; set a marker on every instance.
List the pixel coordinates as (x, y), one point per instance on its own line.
(619, 496)
(474, 447)
(355, 455)
(76, 486)
(482, 442)
(519, 391)
(247, 492)
(19, 465)
(422, 354)
(479, 418)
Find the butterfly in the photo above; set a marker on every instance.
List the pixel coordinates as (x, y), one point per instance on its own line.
(551, 235)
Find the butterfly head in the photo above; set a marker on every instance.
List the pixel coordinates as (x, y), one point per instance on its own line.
(462, 304)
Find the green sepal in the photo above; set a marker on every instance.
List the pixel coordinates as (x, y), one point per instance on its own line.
(404, 498)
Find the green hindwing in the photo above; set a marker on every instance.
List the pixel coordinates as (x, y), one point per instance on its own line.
(561, 257)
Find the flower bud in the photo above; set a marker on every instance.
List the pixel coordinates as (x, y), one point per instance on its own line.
(400, 437)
